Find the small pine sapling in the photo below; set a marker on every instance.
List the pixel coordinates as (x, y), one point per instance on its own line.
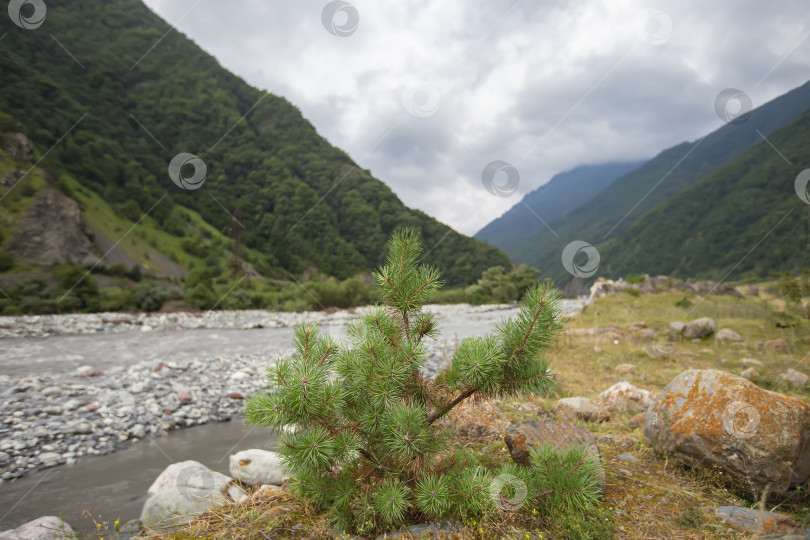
(363, 441)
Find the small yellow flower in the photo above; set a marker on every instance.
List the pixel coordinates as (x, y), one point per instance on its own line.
(98, 525)
(117, 521)
(534, 510)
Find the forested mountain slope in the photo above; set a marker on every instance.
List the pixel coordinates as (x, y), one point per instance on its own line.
(110, 94)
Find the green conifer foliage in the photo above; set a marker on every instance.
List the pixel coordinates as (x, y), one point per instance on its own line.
(365, 444)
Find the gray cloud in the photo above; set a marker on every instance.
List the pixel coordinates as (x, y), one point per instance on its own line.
(545, 86)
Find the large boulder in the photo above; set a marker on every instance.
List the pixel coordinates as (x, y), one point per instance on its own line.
(753, 520)
(626, 398)
(185, 490)
(710, 417)
(44, 528)
(699, 328)
(256, 467)
(522, 437)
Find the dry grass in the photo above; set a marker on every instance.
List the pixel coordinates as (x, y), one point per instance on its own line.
(648, 498)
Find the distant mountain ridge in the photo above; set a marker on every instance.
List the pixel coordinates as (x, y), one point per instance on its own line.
(564, 192)
(617, 207)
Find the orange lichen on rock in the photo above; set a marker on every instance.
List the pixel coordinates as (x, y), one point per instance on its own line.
(714, 417)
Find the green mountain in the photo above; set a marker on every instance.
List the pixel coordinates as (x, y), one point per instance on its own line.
(109, 94)
(609, 213)
(553, 199)
(745, 218)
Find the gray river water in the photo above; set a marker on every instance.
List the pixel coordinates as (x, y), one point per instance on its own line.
(114, 486)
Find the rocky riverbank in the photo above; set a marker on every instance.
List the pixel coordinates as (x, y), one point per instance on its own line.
(53, 419)
(95, 323)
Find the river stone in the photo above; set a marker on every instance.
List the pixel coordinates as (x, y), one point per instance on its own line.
(699, 328)
(751, 519)
(44, 528)
(727, 334)
(191, 476)
(442, 530)
(715, 418)
(522, 437)
(49, 459)
(580, 408)
(626, 398)
(256, 467)
(185, 490)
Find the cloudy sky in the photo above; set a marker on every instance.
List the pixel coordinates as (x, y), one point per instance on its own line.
(426, 94)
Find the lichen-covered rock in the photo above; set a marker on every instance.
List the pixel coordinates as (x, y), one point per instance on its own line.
(699, 328)
(476, 420)
(580, 408)
(710, 417)
(522, 437)
(626, 398)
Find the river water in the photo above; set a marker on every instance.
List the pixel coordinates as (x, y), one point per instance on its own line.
(114, 486)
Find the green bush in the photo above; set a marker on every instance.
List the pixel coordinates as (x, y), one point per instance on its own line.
(6, 261)
(364, 444)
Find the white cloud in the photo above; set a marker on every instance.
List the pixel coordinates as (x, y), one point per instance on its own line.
(545, 86)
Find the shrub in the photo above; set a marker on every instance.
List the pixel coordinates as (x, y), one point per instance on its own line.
(364, 443)
(6, 261)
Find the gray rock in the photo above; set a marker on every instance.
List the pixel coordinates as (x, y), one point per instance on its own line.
(751, 519)
(183, 491)
(440, 530)
(626, 398)
(580, 408)
(49, 459)
(699, 328)
(751, 362)
(726, 334)
(44, 528)
(712, 417)
(256, 467)
(138, 431)
(793, 377)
